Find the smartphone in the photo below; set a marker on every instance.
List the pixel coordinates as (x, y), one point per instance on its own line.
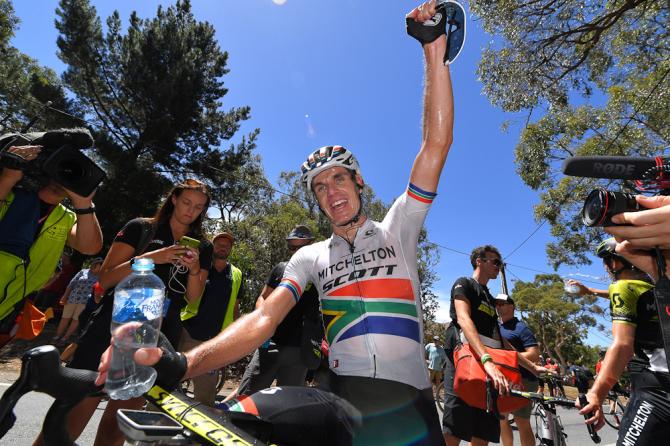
(189, 242)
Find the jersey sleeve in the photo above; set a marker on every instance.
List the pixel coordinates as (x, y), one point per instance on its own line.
(460, 288)
(623, 302)
(408, 212)
(527, 337)
(297, 273)
(130, 234)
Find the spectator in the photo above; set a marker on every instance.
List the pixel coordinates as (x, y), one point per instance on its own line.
(437, 359)
(74, 300)
(583, 377)
(601, 358)
(218, 307)
(281, 357)
(34, 229)
(523, 340)
(473, 313)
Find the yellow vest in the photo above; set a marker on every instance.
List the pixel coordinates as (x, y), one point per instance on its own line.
(191, 309)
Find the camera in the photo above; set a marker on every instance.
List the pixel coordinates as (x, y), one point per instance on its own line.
(649, 175)
(60, 160)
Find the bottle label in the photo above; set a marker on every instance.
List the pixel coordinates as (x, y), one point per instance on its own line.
(137, 305)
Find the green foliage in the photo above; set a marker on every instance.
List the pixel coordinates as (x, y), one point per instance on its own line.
(25, 86)
(154, 95)
(553, 59)
(560, 322)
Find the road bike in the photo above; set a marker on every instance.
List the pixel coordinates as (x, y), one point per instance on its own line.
(439, 396)
(183, 420)
(549, 429)
(614, 406)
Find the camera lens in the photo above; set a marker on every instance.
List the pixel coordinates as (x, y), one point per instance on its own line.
(601, 205)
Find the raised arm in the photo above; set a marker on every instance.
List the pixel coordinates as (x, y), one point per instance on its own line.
(438, 109)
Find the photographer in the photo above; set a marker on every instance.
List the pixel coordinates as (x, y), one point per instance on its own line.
(34, 228)
(647, 229)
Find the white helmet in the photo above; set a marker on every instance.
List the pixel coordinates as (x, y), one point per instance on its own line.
(325, 158)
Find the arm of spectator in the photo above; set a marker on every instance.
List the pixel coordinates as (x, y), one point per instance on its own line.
(9, 177)
(65, 296)
(643, 231)
(463, 311)
(264, 294)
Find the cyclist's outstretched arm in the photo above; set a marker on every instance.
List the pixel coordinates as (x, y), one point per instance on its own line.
(616, 358)
(235, 342)
(438, 109)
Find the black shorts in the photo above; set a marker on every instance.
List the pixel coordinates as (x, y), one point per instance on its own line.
(646, 420)
(301, 415)
(393, 413)
(463, 421)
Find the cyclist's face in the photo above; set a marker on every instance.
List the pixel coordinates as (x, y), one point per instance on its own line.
(337, 194)
(188, 206)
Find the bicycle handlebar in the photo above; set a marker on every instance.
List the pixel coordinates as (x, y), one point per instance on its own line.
(41, 371)
(542, 398)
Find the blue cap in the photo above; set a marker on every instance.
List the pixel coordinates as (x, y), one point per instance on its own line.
(143, 265)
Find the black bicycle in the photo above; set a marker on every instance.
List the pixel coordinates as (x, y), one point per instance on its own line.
(614, 406)
(549, 429)
(183, 420)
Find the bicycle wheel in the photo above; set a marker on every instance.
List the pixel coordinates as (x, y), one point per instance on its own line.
(613, 411)
(439, 396)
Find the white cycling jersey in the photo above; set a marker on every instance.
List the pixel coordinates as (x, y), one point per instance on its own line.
(370, 295)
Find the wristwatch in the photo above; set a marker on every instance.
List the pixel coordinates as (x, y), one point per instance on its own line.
(80, 211)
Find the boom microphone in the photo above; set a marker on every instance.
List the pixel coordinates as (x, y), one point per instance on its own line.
(609, 167)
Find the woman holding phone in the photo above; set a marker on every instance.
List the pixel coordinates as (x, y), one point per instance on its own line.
(182, 268)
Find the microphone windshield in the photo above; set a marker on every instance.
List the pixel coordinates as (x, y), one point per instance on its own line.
(609, 167)
(79, 138)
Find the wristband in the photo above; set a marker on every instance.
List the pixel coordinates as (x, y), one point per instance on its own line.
(80, 211)
(485, 358)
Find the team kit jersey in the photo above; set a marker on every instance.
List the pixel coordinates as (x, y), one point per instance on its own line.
(632, 302)
(370, 295)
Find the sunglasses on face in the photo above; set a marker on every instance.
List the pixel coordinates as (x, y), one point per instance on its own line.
(496, 262)
(295, 247)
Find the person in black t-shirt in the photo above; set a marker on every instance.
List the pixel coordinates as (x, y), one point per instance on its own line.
(473, 313)
(280, 358)
(218, 307)
(183, 271)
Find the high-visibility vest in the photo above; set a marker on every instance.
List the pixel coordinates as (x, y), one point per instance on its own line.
(191, 309)
(16, 281)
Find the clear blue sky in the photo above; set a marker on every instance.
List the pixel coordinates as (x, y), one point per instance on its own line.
(323, 72)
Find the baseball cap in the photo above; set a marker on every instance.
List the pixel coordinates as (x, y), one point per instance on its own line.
(504, 298)
(227, 235)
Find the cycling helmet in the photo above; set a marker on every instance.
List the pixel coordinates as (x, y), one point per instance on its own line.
(325, 158)
(300, 232)
(606, 250)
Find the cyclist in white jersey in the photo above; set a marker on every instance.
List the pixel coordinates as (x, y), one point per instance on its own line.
(367, 279)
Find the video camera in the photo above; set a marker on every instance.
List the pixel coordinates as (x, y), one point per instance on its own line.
(649, 175)
(60, 160)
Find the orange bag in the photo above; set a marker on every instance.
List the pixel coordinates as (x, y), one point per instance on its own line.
(31, 322)
(470, 378)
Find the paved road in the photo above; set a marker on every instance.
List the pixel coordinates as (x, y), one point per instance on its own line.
(32, 408)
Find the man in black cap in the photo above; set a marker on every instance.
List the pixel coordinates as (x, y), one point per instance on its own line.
(283, 357)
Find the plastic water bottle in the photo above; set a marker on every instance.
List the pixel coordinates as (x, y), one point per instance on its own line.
(570, 288)
(136, 321)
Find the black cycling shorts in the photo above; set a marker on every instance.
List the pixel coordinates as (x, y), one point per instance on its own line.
(393, 413)
(301, 415)
(646, 420)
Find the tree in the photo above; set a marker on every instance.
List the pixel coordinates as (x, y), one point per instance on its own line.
(559, 322)
(153, 96)
(598, 73)
(26, 87)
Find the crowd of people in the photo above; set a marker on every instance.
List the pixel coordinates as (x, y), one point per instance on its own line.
(363, 279)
